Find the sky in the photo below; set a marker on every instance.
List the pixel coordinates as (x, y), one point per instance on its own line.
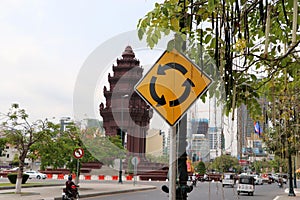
(44, 45)
(49, 49)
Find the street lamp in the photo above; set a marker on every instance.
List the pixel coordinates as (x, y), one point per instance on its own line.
(121, 134)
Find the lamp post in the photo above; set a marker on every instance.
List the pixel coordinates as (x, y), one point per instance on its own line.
(121, 134)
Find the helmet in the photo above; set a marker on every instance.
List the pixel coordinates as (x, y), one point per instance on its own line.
(70, 177)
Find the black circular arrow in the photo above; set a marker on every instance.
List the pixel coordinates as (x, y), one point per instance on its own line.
(160, 100)
(161, 69)
(188, 84)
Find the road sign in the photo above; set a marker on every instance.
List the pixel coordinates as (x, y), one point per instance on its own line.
(172, 85)
(78, 153)
(135, 160)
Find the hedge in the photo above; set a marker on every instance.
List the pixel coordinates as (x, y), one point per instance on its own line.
(13, 178)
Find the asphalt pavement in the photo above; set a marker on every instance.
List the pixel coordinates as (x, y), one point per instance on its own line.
(91, 190)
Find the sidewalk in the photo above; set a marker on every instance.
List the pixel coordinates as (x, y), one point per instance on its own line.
(286, 197)
(85, 190)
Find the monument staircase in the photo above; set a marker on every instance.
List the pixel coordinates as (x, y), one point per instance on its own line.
(147, 170)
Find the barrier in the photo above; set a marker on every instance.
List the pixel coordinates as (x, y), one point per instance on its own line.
(93, 177)
(74, 176)
(60, 176)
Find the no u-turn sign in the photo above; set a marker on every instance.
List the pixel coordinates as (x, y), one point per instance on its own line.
(78, 153)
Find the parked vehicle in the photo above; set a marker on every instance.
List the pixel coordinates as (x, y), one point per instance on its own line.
(228, 179)
(35, 174)
(266, 178)
(258, 180)
(202, 178)
(246, 184)
(70, 195)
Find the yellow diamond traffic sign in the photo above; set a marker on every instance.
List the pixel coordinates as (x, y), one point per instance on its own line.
(172, 85)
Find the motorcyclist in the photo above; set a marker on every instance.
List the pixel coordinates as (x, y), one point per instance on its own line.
(194, 179)
(280, 182)
(69, 183)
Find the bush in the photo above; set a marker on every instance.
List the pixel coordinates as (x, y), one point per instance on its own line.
(13, 178)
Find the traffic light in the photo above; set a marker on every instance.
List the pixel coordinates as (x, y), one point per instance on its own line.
(181, 191)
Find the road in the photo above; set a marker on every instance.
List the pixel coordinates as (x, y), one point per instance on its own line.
(205, 191)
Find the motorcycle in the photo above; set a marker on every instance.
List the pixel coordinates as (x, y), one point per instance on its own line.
(71, 194)
(280, 183)
(194, 182)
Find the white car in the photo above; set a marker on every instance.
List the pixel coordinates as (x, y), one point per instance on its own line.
(229, 179)
(35, 174)
(258, 180)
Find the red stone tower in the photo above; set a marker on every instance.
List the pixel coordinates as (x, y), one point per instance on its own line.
(124, 110)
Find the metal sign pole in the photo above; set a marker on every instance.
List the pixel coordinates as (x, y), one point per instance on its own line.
(77, 173)
(135, 172)
(172, 165)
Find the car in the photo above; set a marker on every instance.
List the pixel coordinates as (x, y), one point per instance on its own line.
(258, 180)
(35, 174)
(14, 169)
(228, 179)
(266, 178)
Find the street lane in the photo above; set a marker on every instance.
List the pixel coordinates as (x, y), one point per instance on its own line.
(205, 191)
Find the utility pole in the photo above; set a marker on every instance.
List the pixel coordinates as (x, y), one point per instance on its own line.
(181, 130)
(183, 188)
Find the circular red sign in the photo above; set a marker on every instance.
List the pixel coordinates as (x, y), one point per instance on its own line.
(78, 153)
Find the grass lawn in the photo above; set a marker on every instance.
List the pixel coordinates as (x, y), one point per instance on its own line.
(27, 184)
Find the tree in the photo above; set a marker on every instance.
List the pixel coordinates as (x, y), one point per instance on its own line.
(200, 168)
(3, 142)
(104, 148)
(225, 163)
(22, 133)
(237, 35)
(56, 150)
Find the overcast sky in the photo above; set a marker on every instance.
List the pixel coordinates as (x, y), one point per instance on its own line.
(44, 44)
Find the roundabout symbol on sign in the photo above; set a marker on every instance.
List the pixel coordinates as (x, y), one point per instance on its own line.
(78, 153)
(172, 85)
(187, 84)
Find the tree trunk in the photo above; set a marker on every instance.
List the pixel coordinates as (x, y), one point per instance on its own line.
(20, 172)
(19, 178)
(18, 184)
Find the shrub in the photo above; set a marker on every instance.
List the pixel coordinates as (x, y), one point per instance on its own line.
(13, 178)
